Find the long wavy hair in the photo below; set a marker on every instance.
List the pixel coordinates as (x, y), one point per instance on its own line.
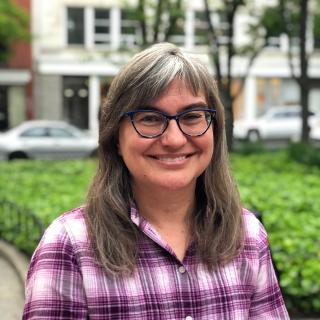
(217, 222)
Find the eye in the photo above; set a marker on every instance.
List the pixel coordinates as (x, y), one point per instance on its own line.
(193, 117)
(148, 118)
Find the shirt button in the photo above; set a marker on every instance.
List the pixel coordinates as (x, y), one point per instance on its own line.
(182, 270)
(189, 318)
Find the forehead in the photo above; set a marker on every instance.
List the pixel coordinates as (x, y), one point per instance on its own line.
(178, 91)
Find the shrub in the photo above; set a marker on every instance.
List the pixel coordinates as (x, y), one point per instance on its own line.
(304, 153)
(286, 193)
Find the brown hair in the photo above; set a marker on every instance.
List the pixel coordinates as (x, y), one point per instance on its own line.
(218, 226)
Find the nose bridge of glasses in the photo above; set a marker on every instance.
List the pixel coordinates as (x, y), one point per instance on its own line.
(176, 122)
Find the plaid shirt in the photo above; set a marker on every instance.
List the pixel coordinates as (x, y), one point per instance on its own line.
(64, 282)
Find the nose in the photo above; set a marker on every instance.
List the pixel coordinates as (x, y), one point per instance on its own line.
(173, 137)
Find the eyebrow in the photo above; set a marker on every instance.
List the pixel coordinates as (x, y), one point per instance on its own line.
(197, 105)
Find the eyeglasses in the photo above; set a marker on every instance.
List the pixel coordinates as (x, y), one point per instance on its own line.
(153, 123)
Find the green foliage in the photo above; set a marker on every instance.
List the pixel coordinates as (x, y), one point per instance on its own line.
(14, 24)
(285, 192)
(246, 147)
(287, 195)
(46, 188)
(304, 153)
(272, 22)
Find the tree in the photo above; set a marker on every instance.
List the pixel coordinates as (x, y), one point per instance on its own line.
(223, 53)
(293, 18)
(14, 25)
(158, 19)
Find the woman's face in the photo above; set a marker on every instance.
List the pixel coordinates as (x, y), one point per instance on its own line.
(172, 161)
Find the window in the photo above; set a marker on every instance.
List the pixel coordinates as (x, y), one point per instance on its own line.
(130, 28)
(221, 26)
(177, 33)
(75, 25)
(316, 30)
(101, 26)
(76, 101)
(35, 133)
(200, 28)
(60, 133)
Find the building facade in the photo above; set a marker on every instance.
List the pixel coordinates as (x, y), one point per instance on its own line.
(16, 82)
(80, 45)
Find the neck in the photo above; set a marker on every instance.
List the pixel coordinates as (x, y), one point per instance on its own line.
(165, 207)
(169, 212)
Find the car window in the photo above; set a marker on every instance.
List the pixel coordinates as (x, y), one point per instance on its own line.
(34, 133)
(285, 115)
(60, 133)
(278, 115)
(293, 114)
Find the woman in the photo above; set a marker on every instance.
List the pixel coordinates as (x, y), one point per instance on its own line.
(163, 234)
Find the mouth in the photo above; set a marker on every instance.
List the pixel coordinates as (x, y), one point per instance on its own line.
(171, 158)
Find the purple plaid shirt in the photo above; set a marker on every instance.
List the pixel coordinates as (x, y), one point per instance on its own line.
(64, 282)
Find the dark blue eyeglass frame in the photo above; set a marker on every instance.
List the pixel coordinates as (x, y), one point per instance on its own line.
(167, 118)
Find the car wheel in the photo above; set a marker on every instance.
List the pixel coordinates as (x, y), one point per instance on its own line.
(17, 155)
(253, 136)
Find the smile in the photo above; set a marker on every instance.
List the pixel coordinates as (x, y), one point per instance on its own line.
(171, 158)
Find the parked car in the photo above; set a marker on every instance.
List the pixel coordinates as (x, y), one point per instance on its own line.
(315, 131)
(283, 122)
(44, 139)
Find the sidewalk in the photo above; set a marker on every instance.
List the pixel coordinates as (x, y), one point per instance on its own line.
(13, 268)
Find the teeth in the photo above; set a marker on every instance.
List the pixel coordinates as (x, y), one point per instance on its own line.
(171, 159)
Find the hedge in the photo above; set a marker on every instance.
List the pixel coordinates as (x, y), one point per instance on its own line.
(286, 193)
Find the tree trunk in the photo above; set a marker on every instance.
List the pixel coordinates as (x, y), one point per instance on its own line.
(304, 80)
(227, 101)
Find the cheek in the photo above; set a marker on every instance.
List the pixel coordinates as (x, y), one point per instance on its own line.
(130, 145)
(207, 144)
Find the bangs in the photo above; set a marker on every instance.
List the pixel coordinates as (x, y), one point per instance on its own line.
(156, 80)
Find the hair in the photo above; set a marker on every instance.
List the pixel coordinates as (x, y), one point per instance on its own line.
(218, 226)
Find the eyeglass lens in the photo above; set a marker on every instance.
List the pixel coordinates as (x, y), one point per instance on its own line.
(151, 124)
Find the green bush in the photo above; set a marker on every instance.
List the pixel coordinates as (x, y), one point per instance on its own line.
(286, 193)
(47, 188)
(304, 153)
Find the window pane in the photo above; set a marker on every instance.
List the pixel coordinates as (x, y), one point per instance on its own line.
(58, 132)
(101, 26)
(130, 28)
(201, 28)
(102, 14)
(101, 29)
(75, 25)
(34, 133)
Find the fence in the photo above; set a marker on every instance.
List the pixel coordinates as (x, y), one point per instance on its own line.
(19, 226)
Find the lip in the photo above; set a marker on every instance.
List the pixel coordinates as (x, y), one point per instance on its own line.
(171, 158)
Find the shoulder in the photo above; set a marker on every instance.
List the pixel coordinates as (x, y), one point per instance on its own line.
(68, 230)
(252, 226)
(255, 235)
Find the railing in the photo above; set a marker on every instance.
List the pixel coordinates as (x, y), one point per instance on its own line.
(19, 226)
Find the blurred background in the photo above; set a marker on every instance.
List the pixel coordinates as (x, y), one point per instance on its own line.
(57, 60)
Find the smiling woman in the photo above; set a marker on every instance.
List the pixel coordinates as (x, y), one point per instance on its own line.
(163, 234)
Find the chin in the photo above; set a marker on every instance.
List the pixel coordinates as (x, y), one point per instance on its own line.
(175, 185)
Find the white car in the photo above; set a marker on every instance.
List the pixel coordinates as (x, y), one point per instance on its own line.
(283, 122)
(44, 139)
(315, 131)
